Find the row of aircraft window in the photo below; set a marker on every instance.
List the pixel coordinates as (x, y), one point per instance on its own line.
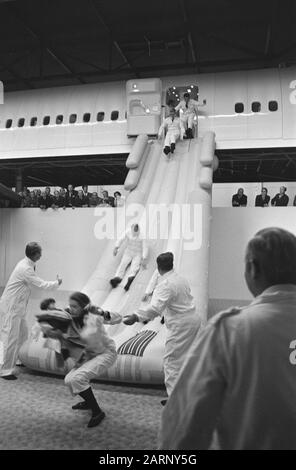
(238, 107)
(60, 119)
(256, 107)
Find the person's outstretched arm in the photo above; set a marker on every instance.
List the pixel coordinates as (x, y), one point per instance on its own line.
(36, 281)
(159, 301)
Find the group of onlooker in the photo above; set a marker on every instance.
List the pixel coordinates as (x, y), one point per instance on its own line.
(263, 199)
(68, 198)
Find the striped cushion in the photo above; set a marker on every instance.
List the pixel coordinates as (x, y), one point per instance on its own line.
(136, 345)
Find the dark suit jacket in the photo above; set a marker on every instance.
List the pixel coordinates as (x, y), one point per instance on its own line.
(236, 201)
(280, 201)
(259, 201)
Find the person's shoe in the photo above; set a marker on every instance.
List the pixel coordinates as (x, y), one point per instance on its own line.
(173, 146)
(163, 402)
(115, 281)
(190, 134)
(8, 377)
(96, 419)
(166, 150)
(82, 405)
(129, 281)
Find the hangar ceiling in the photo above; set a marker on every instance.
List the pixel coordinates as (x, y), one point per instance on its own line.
(64, 42)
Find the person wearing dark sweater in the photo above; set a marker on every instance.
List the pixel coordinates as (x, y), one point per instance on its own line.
(281, 198)
(239, 199)
(262, 200)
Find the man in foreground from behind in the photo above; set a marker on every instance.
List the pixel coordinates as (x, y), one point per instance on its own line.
(239, 379)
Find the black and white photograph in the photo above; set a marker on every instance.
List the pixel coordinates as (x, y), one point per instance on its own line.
(147, 229)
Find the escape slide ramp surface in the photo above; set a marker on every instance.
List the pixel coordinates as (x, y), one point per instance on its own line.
(184, 180)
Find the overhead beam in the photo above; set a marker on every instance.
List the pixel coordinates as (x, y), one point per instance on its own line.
(189, 33)
(44, 43)
(235, 45)
(100, 18)
(7, 193)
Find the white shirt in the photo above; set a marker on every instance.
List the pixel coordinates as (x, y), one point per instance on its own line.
(170, 125)
(136, 244)
(18, 288)
(238, 380)
(173, 294)
(192, 106)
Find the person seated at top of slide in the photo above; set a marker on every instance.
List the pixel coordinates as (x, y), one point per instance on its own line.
(135, 254)
(172, 126)
(281, 198)
(239, 199)
(189, 108)
(262, 200)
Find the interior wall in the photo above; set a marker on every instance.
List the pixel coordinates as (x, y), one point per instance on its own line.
(231, 231)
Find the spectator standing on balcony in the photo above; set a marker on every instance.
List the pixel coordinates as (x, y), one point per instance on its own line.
(56, 199)
(94, 200)
(71, 196)
(44, 201)
(81, 200)
(27, 199)
(239, 199)
(281, 198)
(119, 201)
(262, 200)
(107, 200)
(86, 194)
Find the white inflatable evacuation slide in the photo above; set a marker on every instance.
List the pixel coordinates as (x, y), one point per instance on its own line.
(153, 182)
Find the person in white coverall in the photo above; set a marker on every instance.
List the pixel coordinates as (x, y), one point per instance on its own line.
(188, 110)
(98, 350)
(239, 380)
(172, 126)
(172, 297)
(135, 254)
(13, 307)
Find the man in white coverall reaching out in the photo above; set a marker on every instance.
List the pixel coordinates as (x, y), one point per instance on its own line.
(135, 254)
(172, 297)
(172, 126)
(13, 307)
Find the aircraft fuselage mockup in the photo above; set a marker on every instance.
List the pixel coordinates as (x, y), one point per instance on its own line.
(247, 109)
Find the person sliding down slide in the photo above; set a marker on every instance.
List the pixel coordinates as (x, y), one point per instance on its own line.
(172, 125)
(189, 108)
(136, 254)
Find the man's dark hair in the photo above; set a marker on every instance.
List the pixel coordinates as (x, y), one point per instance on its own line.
(32, 249)
(165, 261)
(117, 192)
(186, 95)
(46, 303)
